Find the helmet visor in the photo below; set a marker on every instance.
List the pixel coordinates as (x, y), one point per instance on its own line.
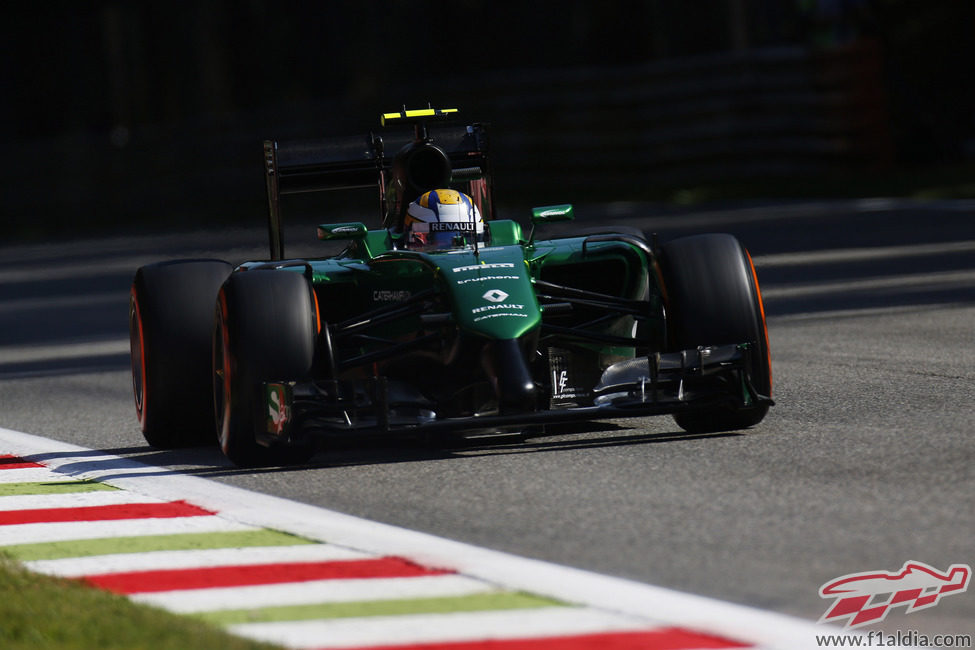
(441, 239)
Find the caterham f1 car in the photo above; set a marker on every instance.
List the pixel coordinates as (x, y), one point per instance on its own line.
(446, 319)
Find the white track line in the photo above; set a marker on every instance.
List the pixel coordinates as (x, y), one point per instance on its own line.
(73, 500)
(871, 253)
(30, 475)
(61, 531)
(63, 351)
(316, 591)
(929, 281)
(192, 559)
(432, 628)
(62, 303)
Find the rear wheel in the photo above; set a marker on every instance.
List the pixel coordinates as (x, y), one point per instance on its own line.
(265, 331)
(713, 298)
(170, 320)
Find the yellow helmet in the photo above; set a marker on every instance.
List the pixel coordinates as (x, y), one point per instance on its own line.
(442, 219)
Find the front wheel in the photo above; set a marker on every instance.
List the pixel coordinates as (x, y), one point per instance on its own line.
(170, 320)
(713, 298)
(265, 330)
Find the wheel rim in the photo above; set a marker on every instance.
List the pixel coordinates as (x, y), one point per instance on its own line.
(222, 374)
(138, 357)
(762, 324)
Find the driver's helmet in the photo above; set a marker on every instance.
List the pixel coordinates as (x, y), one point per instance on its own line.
(442, 219)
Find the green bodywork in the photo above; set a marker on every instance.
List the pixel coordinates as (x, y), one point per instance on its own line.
(489, 292)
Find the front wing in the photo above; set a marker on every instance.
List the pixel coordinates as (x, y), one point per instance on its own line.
(663, 383)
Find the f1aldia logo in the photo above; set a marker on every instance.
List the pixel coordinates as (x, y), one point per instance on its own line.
(865, 598)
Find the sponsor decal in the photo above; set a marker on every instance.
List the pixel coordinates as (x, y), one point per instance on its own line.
(560, 382)
(480, 318)
(866, 598)
(478, 310)
(279, 414)
(562, 389)
(452, 226)
(478, 267)
(569, 379)
(391, 296)
(341, 230)
(486, 278)
(495, 295)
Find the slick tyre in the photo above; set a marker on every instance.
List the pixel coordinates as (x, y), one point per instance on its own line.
(713, 298)
(170, 320)
(265, 330)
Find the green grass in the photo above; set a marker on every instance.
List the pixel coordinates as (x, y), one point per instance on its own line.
(41, 612)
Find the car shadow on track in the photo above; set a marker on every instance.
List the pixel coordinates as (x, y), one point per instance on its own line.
(583, 437)
(209, 462)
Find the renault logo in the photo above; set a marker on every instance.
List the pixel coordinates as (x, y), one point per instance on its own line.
(495, 295)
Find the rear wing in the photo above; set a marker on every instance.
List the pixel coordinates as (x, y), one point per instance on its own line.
(299, 166)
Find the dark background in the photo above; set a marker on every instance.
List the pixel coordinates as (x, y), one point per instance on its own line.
(122, 114)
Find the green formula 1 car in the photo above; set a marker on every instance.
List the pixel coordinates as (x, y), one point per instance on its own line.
(446, 319)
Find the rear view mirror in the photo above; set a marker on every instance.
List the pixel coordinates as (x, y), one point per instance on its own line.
(338, 231)
(552, 213)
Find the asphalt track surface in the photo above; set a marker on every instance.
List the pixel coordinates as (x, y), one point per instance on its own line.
(866, 462)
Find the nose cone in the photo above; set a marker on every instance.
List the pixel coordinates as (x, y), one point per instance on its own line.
(512, 380)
